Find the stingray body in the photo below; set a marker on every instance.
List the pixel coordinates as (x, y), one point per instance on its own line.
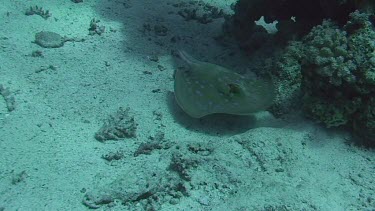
(204, 88)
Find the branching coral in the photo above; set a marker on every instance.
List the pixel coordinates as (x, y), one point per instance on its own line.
(335, 69)
(338, 69)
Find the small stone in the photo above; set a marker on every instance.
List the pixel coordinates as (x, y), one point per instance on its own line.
(204, 200)
(160, 30)
(161, 68)
(153, 58)
(37, 54)
(174, 201)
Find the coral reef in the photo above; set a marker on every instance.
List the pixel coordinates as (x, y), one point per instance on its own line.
(35, 10)
(285, 67)
(333, 68)
(323, 57)
(338, 69)
(95, 28)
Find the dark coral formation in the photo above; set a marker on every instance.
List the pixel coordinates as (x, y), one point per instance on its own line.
(35, 10)
(8, 97)
(295, 17)
(118, 126)
(201, 12)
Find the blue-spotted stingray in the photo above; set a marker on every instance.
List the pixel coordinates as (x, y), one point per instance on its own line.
(204, 88)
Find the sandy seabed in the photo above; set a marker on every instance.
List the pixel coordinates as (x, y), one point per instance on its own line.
(50, 159)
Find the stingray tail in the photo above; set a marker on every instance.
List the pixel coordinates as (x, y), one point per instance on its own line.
(187, 58)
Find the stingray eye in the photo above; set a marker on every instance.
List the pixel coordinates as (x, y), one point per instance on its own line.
(234, 89)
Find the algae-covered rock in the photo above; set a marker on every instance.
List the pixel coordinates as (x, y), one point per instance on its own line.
(286, 69)
(364, 123)
(331, 113)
